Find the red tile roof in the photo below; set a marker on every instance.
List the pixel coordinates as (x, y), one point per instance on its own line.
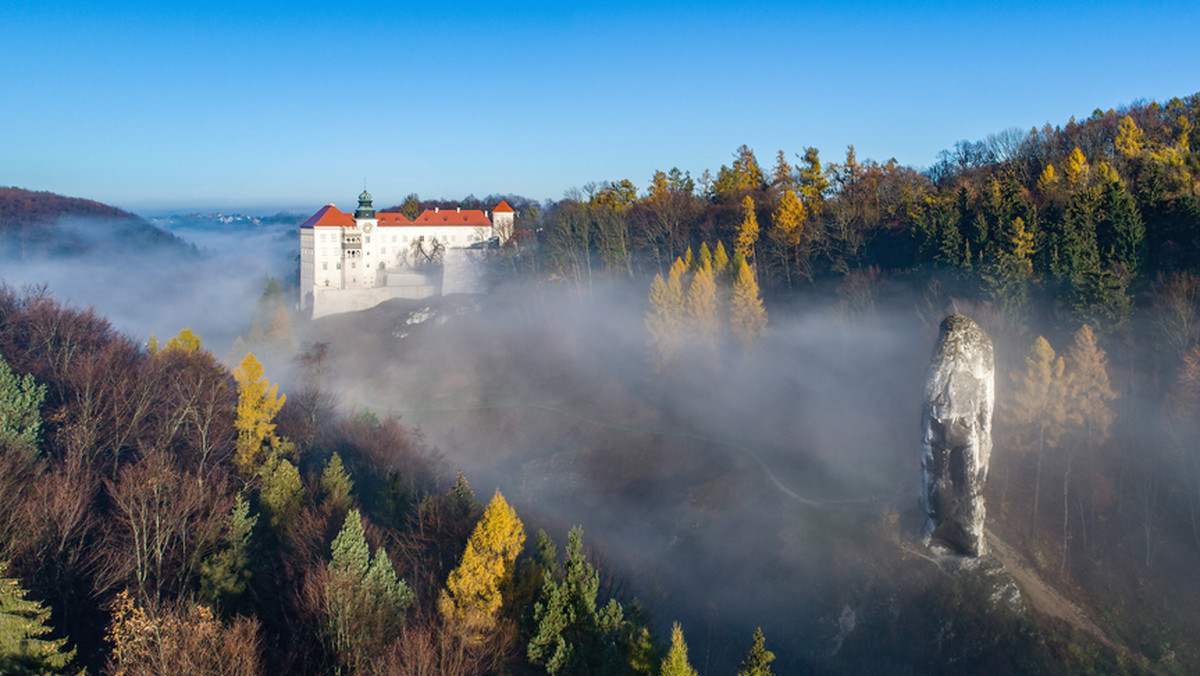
(329, 217)
(389, 219)
(472, 217)
(502, 208)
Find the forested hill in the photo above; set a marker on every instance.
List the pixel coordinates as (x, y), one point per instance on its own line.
(40, 223)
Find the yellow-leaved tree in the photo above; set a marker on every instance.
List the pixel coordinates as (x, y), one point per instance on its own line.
(258, 402)
(664, 319)
(1037, 410)
(747, 317)
(475, 589)
(747, 235)
(702, 308)
(1077, 169)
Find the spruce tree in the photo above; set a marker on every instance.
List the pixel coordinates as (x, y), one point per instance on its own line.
(20, 410)
(758, 661)
(24, 648)
(336, 485)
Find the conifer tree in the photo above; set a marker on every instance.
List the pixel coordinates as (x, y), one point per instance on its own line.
(813, 182)
(24, 648)
(336, 485)
(1077, 169)
(758, 661)
(1036, 412)
(783, 179)
(747, 235)
(572, 634)
(364, 600)
(676, 662)
(747, 317)
(258, 402)
(1120, 233)
(702, 309)
(704, 257)
(665, 318)
(282, 493)
(20, 410)
(1130, 139)
(224, 574)
(1047, 180)
(187, 341)
(475, 589)
(721, 260)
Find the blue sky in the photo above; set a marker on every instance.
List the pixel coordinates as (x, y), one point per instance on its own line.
(266, 106)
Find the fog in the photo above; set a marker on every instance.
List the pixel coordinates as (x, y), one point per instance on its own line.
(715, 493)
(210, 287)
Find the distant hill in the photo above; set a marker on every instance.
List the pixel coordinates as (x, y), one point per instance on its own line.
(40, 223)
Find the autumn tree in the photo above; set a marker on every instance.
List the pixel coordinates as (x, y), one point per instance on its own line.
(281, 492)
(744, 176)
(665, 318)
(186, 341)
(676, 662)
(475, 589)
(747, 317)
(24, 626)
(411, 207)
(1089, 395)
(747, 235)
(364, 600)
(788, 231)
(1036, 412)
(1077, 170)
(758, 660)
(703, 312)
(258, 402)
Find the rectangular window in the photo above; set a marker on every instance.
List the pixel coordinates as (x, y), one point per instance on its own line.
(368, 239)
(324, 266)
(383, 250)
(339, 266)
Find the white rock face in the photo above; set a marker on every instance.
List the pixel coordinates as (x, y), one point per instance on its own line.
(957, 442)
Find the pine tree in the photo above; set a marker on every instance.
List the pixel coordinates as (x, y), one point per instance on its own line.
(1120, 233)
(282, 492)
(783, 179)
(20, 410)
(572, 634)
(813, 182)
(224, 574)
(364, 600)
(336, 485)
(758, 661)
(258, 402)
(676, 661)
(24, 648)
(747, 317)
(475, 589)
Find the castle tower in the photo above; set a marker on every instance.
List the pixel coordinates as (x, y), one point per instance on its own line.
(365, 274)
(503, 218)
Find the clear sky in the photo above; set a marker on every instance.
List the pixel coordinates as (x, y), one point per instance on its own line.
(258, 106)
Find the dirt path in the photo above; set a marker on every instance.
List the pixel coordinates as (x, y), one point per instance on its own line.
(1045, 599)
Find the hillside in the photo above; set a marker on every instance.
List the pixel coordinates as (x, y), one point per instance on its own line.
(40, 223)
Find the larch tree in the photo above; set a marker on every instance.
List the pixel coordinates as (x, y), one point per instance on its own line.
(1130, 140)
(747, 235)
(783, 178)
(814, 182)
(1077, 169)
(721, 260)
(676, 662)
(665, 318)
(758, 660)
(703, 312)
(788, 230)
(1089, 394)
(747, 317)
(258, 402)
(186, 341)
(475, 589)
(1036, 411)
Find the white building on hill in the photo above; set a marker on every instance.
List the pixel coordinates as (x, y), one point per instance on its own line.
(353, 262)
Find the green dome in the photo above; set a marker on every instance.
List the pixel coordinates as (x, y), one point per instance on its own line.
(364, 210)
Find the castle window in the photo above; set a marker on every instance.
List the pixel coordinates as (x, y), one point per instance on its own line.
(324, 266)
(339, 266)
(368, 240)
(383, 250)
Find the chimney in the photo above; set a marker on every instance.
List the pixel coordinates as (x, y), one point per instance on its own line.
(458, 210)
(436, 209)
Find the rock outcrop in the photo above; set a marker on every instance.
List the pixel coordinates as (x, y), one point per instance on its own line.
(957, 442)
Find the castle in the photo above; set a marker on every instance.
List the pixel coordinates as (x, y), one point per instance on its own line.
(355, 262)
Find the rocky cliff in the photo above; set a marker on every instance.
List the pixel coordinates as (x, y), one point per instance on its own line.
(957, 440)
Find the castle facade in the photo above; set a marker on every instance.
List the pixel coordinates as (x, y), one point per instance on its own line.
(353, 262)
